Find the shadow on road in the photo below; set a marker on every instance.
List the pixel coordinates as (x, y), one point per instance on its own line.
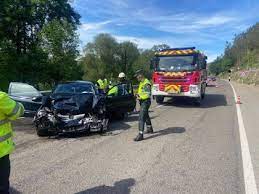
(167, 131)
(120, 187)
(211, 86)
(134, 118)
(14, 191)
(210, 101)
(25, 125)
(214, 100)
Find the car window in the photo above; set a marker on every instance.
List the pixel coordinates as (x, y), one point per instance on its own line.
(21, 89)
(74, 88)
(124, 89)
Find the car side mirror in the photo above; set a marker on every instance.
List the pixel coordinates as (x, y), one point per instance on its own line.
(37, 99)
(204, 65)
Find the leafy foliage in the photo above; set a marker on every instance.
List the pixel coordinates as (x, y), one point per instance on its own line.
(243, 53)
(39, 46)
(22, 54)
(106, 58)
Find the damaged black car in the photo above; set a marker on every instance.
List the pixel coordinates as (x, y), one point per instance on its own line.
(79, 107)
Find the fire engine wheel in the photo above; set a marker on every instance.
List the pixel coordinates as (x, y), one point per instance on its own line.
(203, 96)
(197, 101)
(159, 99)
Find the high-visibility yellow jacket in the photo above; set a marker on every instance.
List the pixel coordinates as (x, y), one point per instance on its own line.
(103, 84)
(9, 111)
(144, 89)
(113, 91)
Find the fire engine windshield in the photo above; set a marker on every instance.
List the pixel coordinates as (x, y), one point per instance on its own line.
(176, 63)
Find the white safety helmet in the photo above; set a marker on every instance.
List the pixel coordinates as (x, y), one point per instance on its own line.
(122, 75)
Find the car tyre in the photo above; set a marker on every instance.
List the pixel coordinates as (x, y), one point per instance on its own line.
(121, 116)
(42, 132)
(105, 129)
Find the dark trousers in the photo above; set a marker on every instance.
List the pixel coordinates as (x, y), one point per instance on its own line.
(144, 115)
(4, 174)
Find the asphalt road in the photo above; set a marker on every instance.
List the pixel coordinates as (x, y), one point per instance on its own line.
(193, 150)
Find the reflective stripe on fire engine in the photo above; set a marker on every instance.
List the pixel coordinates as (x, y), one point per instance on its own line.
(176, 52)
(172, 87)
(175, 74)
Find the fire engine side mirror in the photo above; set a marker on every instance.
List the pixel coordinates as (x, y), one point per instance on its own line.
(154, 63)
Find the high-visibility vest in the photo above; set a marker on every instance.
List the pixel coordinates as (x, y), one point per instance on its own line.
(100, 83)
(113, 91)
(103, 84)
(144, 89)
(9, 111)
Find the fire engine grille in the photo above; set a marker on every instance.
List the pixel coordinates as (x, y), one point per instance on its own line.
(172, 80)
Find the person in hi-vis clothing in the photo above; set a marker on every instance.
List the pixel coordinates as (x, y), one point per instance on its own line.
(9, 111)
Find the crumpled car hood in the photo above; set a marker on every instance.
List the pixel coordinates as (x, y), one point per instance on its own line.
(72, 104)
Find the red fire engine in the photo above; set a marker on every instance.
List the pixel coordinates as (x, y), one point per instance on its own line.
(179, 72)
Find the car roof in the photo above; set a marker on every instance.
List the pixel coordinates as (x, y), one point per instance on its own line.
(78, 81)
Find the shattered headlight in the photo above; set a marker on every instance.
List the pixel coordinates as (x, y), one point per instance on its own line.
(41, 113)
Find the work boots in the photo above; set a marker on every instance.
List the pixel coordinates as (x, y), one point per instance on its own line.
(139, 137)
(150, 129)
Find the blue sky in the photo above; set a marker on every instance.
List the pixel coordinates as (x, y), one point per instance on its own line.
(206, 24)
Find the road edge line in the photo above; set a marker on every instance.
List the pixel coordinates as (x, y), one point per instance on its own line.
(248, 171)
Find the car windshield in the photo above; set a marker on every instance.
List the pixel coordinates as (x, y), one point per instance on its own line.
(74, 88)
(176, 63)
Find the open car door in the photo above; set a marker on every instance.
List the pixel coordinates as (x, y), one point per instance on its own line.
(122, 101)
(26, 94)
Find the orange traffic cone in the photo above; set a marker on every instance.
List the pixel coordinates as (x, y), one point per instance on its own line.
(238, 100)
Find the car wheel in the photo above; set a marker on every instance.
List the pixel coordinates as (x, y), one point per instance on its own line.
(105, 127)
(121, 116)
(42, 132)
(159, 99)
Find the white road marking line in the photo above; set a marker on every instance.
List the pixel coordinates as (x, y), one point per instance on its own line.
(248, 171)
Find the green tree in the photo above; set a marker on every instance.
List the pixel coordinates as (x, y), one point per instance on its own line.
(143, 61)
(59, 41)
(128, 54)
(242, 53)
(101, 58)
(21, 21)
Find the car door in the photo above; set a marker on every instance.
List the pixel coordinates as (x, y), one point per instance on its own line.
(124, 101)
(26, 94)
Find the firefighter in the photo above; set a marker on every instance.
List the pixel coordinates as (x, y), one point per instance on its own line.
(144, 97)
(114, 89)
(9, 111)
(122, 78)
